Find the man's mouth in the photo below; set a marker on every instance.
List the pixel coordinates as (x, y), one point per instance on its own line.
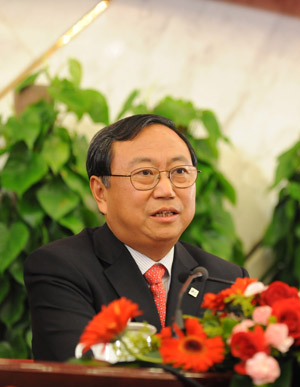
(165, 213)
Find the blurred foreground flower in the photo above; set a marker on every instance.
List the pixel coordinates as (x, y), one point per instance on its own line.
(192, 350)
(107, 325)
(250, 329)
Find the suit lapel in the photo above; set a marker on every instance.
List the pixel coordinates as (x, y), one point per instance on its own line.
(190, 305)
(124, 275)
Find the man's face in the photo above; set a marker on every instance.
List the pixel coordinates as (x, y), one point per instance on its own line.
(137, 218)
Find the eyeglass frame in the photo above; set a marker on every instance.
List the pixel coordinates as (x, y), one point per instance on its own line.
(158, 176)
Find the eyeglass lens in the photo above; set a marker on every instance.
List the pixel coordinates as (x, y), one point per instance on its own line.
(182, 176)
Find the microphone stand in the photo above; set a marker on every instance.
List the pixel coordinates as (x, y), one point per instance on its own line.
(196, 273)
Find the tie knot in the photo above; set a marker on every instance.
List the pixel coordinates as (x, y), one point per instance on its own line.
(155, 273)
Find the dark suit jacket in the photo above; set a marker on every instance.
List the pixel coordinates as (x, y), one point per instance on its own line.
(70, 279)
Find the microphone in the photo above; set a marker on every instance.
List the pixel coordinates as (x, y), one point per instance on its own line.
(198, 272)
(183, 276)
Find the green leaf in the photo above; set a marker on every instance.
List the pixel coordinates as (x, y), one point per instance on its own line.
(294, 190)
(140, 109)
(222, 223)
(179, 111)
(212, 328)
(56, 149)
(6, 351)
(77, 184)
(22, 169)
(16, 269)
(217, 244)
(227, 326)
(92, 218)
(80, 101)
(211, 124)
(227, 188)
(18, 342)
(4, 287)
(128, 104)
(12, 307)
(79, 149)
(288, 163)
(5, 149)
(72, 222)
(296, 261)
(78, 219)
(57, 199)
(290, 207)
(75, 71)
(97, 106)
(275, 230)
(297, 230)
(47, 115)
(29, 338)
(28, 81)
(7, 201)
(30, 210)
(12, 242)
(65, 92)
(206, 151)
(25, 128)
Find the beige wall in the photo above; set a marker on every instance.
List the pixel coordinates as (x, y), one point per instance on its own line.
(240, 62)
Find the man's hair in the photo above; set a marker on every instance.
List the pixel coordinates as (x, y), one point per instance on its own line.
(100, 155)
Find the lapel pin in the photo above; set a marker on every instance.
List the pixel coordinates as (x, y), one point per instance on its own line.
(193, 292)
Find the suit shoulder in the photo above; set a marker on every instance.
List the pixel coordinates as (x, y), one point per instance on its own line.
(216, 266)
(69, 248)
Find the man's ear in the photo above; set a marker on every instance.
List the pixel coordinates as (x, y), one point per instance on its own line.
(99, 192)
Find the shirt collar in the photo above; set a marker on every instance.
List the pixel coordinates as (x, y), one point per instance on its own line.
(144, 263)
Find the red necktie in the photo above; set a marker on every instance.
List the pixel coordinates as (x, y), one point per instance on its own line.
(154, 278)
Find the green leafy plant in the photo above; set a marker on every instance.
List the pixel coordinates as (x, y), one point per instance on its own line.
(283, 232)
(44, 190)
(212, 227)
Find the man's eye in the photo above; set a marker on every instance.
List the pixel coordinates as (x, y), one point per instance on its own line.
(145, 172)
(180, 171)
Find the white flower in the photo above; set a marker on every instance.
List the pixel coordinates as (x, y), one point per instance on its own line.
(254, 288)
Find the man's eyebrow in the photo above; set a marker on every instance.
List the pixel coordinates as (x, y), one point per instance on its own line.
(138, 160)
(181, 159)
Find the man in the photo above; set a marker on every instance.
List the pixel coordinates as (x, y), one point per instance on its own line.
(142, 175)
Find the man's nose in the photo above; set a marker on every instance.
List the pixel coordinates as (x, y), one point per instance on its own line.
(164, 188)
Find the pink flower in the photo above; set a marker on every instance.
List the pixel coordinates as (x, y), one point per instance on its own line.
(277, 336)
(261, 314)
(262, 368)
(243, 326)
(254, 288)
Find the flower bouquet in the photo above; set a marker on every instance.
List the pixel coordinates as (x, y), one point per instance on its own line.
(250, 329)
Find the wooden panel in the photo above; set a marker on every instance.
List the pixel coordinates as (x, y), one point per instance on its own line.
(288, 7)
(20, 373)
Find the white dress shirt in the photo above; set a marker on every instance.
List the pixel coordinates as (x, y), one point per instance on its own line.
(144, 263)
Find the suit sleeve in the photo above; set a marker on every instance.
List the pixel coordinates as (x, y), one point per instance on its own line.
(61, 304)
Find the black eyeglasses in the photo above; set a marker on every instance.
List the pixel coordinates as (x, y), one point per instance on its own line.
(144, 179)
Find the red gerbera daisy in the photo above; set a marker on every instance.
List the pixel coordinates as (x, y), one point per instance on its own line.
(193, 351)
(109, 323)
